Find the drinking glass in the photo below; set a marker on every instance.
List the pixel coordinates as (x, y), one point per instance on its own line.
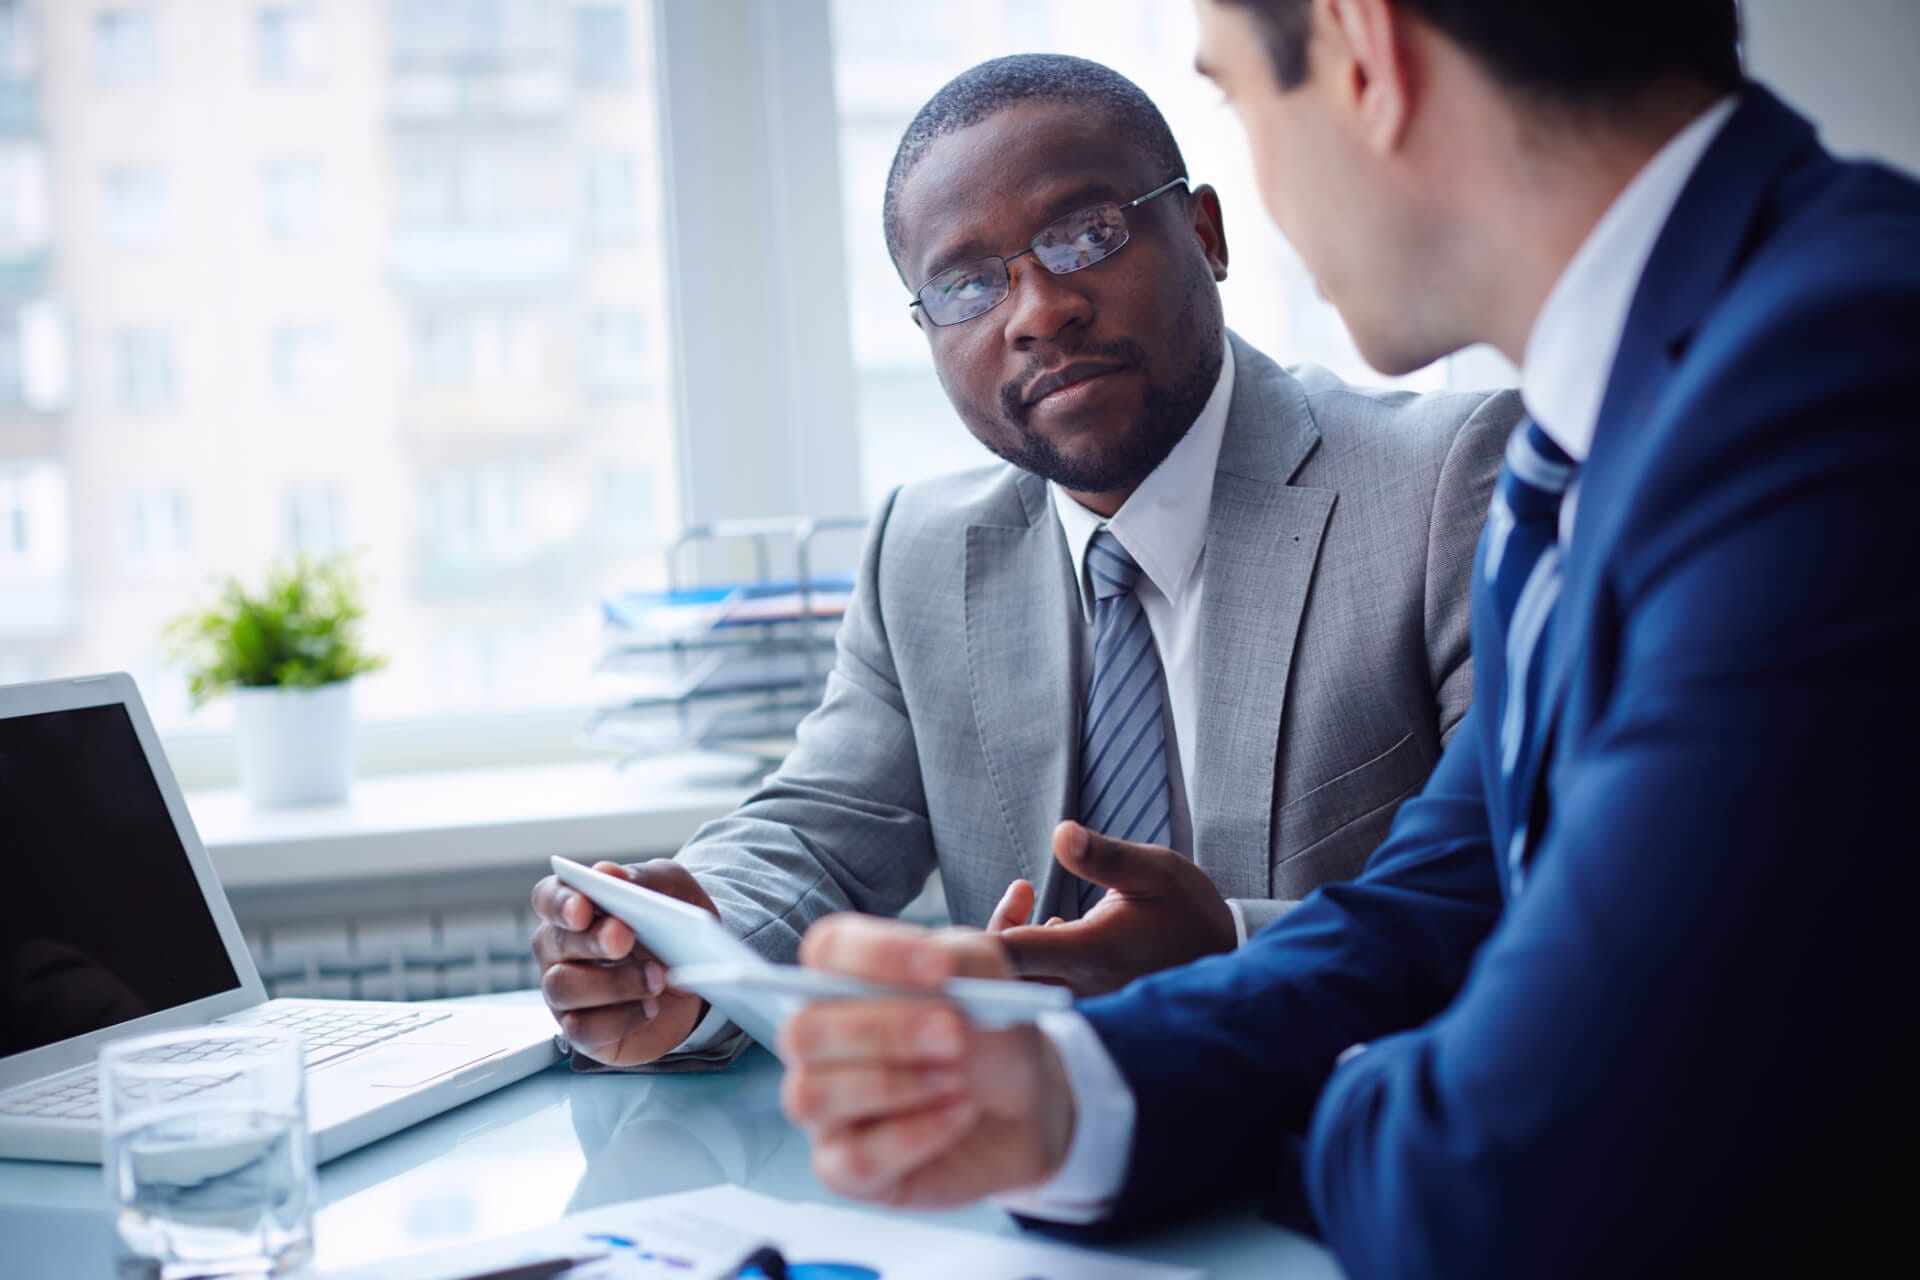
(208, 1161)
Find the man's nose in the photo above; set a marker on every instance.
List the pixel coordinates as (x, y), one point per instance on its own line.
(1043, 305)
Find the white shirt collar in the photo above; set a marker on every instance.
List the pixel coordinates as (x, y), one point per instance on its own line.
(1163, 525)
(1570, 353)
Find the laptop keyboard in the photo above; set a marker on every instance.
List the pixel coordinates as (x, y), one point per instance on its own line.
(327, 1033)
(330, 1032)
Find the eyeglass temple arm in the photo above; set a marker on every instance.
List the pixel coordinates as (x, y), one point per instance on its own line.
(1162, 188)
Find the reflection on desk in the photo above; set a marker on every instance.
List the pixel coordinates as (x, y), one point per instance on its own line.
(561, 1142)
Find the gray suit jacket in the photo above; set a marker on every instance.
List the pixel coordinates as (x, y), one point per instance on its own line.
(1334, 664)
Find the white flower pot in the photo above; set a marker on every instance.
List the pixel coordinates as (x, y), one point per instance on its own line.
(296, 745)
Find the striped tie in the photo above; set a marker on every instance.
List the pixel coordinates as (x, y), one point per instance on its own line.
(1523, 580)
(1123, 741)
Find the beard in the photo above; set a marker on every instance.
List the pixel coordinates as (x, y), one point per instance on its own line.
(1127, 456)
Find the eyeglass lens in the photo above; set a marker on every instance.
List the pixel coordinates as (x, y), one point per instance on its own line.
(1078, 240)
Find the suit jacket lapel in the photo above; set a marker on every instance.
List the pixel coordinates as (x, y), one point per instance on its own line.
(1706, 236)
(1022, 663)
(1263, 540)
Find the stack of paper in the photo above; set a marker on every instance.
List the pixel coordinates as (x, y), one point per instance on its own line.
(699, 1235)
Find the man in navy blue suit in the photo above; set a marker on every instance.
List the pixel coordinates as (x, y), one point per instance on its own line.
(1622, 993)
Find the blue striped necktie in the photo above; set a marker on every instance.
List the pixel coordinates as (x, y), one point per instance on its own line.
(1523, 580)
(1123, 739)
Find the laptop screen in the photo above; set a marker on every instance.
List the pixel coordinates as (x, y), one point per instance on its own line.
(101, 918)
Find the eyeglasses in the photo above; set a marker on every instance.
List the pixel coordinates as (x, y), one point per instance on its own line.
(1080, 239)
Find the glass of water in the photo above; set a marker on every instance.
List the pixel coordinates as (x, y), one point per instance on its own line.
(208, 1161)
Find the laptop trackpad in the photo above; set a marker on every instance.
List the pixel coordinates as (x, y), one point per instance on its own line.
(403, 1066)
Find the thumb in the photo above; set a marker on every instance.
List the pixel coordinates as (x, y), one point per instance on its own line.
(1112, 864)
(1015, 906)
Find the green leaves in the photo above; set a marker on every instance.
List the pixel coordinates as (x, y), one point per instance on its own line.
(298, 631)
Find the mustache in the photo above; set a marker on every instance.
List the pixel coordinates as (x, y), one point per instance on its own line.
(1121, 351)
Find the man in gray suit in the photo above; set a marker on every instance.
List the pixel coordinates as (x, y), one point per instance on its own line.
(1211, 606)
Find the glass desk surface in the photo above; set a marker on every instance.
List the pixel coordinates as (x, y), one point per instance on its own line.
(556, 1143)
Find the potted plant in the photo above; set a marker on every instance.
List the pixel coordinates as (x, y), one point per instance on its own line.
(288, 654)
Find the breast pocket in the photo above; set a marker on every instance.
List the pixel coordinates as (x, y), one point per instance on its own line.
(1328, 833)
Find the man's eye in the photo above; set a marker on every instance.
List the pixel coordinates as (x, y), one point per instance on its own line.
(970, 285)
(1094, 236)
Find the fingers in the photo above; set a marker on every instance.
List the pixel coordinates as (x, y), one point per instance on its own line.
(855, 1032)
(878, 950)
(1061, 952)
(1138, 869)
(595, 1031)
(834, 1097)
(609, 940)
(567, 987)
(664, 875)
(557, 904)
(874, 1161)
(1016, 904)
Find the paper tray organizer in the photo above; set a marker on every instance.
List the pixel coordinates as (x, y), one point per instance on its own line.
(730, 667)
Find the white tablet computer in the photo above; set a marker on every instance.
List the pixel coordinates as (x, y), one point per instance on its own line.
(682, 934)
(759, 995)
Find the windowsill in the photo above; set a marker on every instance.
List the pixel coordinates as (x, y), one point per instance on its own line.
(439, 823)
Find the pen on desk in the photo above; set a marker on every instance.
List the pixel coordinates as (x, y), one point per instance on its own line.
(538, 1269)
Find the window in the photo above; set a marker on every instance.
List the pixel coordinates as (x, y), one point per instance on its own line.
(16, 40)
(23, 199)
(617, 354)
(16, 522)
(498, 179)
(13, 387)
(135, 207)
(886, 68)
(288, 40)
(295, 192)
(126, 47)
(478, 514)
(33, 544)
(143, 375)
(374, 318)
(600, 49)
(493, 349)
(608, 197)
(157, 530)
(315, 524)
(303, 363)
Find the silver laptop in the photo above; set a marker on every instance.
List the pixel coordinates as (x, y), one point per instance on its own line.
(112, 923)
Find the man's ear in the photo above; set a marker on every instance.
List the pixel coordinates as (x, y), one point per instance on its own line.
(1209, 227)
(1359, 51)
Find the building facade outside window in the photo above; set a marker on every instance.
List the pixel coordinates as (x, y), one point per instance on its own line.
(354, 322)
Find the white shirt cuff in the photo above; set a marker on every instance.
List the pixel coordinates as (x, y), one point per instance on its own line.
(1096, 1164)
(707, 1033)
(1239, 922)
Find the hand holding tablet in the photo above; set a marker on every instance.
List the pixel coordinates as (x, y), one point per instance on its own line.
(705, 957)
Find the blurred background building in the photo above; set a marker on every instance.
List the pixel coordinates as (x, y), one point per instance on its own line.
(326, 276)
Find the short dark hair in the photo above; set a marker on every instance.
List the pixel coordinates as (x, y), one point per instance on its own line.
(993, 86)
(1582, 53)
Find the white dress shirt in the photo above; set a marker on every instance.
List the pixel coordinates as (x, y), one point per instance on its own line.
(1563, 376)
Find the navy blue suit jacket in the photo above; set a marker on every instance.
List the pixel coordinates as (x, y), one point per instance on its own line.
(1677, 1046)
